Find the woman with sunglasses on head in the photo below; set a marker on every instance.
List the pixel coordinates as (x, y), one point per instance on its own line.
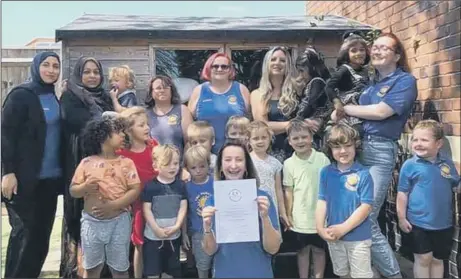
(384, 108)
(220, 97)
(276, 100)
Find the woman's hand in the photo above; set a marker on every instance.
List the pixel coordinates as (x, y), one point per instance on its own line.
(263, 206)
(313, 124)
(9, 185)
(207, 215)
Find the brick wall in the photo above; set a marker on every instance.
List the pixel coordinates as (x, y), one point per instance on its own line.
(430, 32)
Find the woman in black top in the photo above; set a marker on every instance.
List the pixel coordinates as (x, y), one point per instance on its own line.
(314, 106)
(83, 100)
(31, 166)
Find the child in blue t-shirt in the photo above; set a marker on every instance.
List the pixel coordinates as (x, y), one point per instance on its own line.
(345, 201)
(424, 200)
(197, 160)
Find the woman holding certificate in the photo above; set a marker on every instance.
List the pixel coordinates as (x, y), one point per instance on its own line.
(239, 255)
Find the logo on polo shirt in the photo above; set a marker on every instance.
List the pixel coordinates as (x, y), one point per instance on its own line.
(351, 182)
(201, 201)
(445, 170)
(232, 100)
(173, 119)
(383, 90)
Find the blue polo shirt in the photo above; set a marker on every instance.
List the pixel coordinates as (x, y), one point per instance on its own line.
(344, 192)
(245, 259)
(398, 90)
(430, 191)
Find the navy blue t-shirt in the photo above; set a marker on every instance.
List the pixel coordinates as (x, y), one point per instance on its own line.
(166, 201)
(197, 195)
(344, 192)
(245, 259)
(430, 191)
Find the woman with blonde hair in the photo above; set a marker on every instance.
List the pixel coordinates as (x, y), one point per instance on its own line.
(276, 99)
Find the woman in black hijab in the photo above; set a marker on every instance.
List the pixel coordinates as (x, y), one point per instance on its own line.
(83, 99)
(31, 166)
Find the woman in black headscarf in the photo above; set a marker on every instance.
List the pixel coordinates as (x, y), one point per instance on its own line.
(83, 99)
(31, 166)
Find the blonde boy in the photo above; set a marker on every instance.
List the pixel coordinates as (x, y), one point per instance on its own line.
(202, 133)
(237, 128)
(301, 179)
(122, 83)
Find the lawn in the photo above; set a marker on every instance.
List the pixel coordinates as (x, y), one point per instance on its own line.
(51, 266)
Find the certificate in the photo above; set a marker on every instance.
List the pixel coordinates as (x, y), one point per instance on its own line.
(236, 216)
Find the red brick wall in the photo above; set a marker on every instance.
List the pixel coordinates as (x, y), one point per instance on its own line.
(435, 63)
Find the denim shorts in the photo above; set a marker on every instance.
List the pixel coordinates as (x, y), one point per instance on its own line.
(106, 241)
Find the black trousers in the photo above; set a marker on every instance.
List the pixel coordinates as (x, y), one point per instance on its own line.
(31, 221)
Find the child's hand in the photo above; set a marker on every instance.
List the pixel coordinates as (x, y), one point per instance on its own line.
(160, 232)
(169, 231)
(185, 242)
(185, 175)
(336, 231)
(207, 215)
(327, 235)
(91, 185)
(405, 226)
(114, 92)
(263, 205)
(286, 221)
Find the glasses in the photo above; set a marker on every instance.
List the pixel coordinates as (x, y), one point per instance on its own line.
(381, 48)
(159, 89)
(224, 67)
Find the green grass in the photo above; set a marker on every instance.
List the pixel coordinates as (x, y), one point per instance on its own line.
(51, 266)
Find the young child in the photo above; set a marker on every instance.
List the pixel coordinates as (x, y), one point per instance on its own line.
(139, 149)
(424, 200)
(301, 182)
(268, 167)
(108, 183)
(236, 128)
(165, 208)
(351, 77)
(200, 187)
(242, 259)
(122, 84)
(344, 202)
(202, 133)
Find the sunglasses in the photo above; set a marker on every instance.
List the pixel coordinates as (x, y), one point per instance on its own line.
(222, 66)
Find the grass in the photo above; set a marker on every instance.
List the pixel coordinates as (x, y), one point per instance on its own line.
(51, 267)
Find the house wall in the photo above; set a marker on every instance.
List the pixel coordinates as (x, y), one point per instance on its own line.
(140, 55)
(435, 27)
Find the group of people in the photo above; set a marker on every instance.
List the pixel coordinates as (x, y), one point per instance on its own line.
(322, 147)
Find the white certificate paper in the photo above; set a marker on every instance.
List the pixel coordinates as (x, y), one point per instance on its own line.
(236, 216)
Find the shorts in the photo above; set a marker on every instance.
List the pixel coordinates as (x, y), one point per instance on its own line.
(106, 241)
(161, 256)
(137, 235)
(439, 242)
(202, 259)
(305, 239)
(351, 257)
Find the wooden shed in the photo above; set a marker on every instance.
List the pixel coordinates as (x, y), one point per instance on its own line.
(179, 46)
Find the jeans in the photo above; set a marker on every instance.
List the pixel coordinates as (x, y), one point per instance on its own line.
(380, 155)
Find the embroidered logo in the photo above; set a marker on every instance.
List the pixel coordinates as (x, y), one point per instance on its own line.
(351, 182)
(200, 200)
(232, 100)
(383, 91)
(173, 119)
(445, 170)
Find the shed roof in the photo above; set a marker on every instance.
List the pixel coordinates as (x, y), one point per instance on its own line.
(160, 27)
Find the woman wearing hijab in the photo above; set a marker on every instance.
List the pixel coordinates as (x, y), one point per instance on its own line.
(84, 99)
(31, 166)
